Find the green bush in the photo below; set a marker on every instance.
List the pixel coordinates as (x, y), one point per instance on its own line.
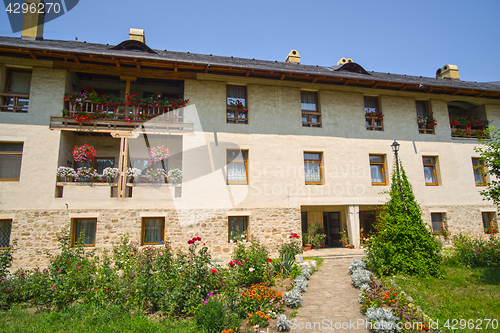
(473, 252)
(402, 243)
(210, 317)
(255, 266)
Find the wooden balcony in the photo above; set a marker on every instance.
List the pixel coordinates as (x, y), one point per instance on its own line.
(461, 131)
(14, 102)
(92, 117)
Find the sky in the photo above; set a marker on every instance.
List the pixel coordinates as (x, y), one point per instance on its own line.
(402, 37)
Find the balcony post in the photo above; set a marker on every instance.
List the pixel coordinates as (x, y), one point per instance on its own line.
(122, 163)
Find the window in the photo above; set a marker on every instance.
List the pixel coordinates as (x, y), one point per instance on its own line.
(425, 119)
(373, 116)
(313, 168)
(237, 108)
(10, 161)
(488, 220)
(311, 117)
(5, 229)
(15, 97)
(430, 174)
(437, 221)
(84, 231)
(141, 164)
(377, 169)
(238, 228)
(479, 173)
(153, 230)
(237, 167)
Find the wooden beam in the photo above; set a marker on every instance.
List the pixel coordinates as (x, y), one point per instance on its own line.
(375, 85)
(206, 69)
(282, 77)
(428, 90)
(403, 87)
(175, 66)
(346, 82)
(32, 54)
(455, 92)
(128, 78)
(314, 80)
(138, 64)
(247, 74)
(117, 63)
(123, 71)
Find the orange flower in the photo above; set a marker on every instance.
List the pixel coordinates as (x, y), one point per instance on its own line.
(250, 315)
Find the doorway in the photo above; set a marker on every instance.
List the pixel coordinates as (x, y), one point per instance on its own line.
(367, 221)
(331, 224)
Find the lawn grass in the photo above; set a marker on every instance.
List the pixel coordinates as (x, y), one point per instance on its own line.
(464, 293)
(86, 318)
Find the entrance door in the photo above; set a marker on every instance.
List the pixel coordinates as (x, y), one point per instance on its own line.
(331, 223)
(366, 221)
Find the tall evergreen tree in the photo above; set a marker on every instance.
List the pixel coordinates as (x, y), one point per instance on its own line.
(402, 243)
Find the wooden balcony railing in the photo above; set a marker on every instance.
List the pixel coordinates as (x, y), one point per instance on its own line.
(14, 102)
(461, 131)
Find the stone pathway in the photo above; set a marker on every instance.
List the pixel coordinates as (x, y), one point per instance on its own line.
(330, 301)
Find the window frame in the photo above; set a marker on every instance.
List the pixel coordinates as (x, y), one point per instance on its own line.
(427, 111)
(378, 163)
(229, 226)
(370, 122)
(479, 166)
(308, 113)
(244, 160)
(443, 226)
(320, 161)
(236, 120)
(434, 168)
(143, 230)
(7, 153)
(6, 95)
(73, 230)
(10, 232)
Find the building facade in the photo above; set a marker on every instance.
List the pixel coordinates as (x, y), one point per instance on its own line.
(265, 148)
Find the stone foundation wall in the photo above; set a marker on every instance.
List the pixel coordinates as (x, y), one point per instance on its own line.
(35, 232)
(460, 219)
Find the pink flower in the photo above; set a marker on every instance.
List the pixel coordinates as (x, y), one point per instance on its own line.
(239, 263)
(91, 264)
(213, 270)
(53, 288)
(231, 263)
(69, 262)
(79, 266)
(199, 287)
(161, 253)
(58, 271)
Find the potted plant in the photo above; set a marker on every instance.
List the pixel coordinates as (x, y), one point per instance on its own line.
(344, 239)
(157, 176)
(174, 175)
(66, 174)
(110, 174)
(85, 174)
(305, 242)
(84, 154)
(490, 231)
(133, 174)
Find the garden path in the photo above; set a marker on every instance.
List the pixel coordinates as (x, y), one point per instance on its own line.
(330, 301)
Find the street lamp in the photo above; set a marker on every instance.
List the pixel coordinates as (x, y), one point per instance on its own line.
(395, 148)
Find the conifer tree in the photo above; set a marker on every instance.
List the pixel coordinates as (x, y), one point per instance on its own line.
(402, 243)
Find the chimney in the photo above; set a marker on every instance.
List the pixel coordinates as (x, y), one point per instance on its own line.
(293, 56)
(33, 22)
(343, 61)
(137, 34)
(449, 72)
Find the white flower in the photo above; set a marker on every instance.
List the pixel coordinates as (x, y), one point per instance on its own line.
(251, 269)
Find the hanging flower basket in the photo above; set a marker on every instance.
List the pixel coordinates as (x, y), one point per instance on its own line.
(157, 176)
(158, 154)
(84, 153)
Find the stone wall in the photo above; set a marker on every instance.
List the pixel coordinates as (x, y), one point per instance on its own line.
(35, 232)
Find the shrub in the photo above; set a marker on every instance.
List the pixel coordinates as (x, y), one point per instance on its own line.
(258, 319)
(254, 268)
(293, 298)
(284, 264)
(210, 317)
(356, 264)
(382, 320)
(295, 271)
(300, 283)
(402, 243)
(475, 252)
(291, 248)
(361, 277)
(283, 324)
(306, 271)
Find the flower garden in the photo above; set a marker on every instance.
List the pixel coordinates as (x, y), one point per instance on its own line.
(234, 297)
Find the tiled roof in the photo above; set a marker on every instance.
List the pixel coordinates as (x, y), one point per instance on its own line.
(75, 47)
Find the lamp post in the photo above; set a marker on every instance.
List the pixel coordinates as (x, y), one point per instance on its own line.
(395, 148)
